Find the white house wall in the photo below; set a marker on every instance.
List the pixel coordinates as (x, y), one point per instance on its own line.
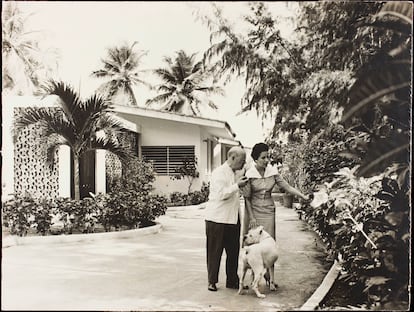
(157, 132)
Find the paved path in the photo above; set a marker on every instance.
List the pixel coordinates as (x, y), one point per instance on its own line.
(163, 272)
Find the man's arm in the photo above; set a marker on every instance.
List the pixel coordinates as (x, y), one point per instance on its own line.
(219, 188)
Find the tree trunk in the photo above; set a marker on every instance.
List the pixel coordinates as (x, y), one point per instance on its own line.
(76, 179)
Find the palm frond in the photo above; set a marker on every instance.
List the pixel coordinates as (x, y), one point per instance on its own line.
(166, 75)
(159, 98)
(390, 78)
(400, 9)
(113, 146)
(44, 117)
(53, 142)
(381, 152)
(70, 101)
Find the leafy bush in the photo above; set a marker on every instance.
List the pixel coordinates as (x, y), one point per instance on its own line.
(129, 205)
(77, 215)
(21, 213)
(192, 198)
(130, 202)
(178, 199)
(187, 170)
(364, 223)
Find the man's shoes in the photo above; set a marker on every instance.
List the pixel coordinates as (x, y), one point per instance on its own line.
(212, 287)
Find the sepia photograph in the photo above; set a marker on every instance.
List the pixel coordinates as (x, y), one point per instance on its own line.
(206, 156)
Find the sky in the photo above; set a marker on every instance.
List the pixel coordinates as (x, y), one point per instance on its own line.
(82, 31)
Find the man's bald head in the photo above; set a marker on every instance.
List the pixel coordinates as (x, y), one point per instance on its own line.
(236, 157)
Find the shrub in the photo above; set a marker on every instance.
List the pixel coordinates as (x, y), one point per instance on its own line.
(178, 198)
(365, 225)
(78, 215)
(130, 202)
(130, 205)
(21, 213)
(187, 170)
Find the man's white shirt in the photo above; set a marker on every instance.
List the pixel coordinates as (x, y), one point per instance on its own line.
(224, 202)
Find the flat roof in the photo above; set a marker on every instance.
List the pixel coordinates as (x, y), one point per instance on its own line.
(153, 113)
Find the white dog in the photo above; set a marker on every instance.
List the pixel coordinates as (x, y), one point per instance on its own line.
(259, 254)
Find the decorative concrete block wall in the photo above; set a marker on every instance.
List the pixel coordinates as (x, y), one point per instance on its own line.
(113, 165)
(32, 174)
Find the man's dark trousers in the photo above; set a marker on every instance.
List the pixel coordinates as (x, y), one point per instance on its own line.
(222, 236)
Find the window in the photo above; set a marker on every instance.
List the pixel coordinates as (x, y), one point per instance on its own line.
(167, 158)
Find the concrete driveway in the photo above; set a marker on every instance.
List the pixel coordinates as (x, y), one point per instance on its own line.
(162, 272)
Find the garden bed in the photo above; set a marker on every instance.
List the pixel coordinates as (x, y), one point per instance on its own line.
(13, 240)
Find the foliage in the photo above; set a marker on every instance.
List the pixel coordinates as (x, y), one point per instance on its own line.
(130, 202)
(25, 62)
(187, 170)
(183, 82)
(83, 125)
(131, 209)
(77, 215)
(22, 213)
(121, 70)
(178, 199)
(379, 101)
(323, 155)
(365, 224)
(193, 198)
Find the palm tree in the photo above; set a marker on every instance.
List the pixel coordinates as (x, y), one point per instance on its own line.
(76, 124)
(23, 60)
(183, 83)
(121, 70)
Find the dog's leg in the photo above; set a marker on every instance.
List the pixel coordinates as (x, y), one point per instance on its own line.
(267, 277)
(259, 270)
(272, 278)
(241, 277)
(271, 271)
(257, 277)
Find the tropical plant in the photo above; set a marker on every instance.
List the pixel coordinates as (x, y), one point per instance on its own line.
(262, 57)
(183, 82)
(365, 225)
(187, 170)
(24, 62)
(130, 202)
(22, 213)
(121, 69)
(380, 100)
(83, 125)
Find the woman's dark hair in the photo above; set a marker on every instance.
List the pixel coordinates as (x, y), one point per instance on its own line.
(258, 149)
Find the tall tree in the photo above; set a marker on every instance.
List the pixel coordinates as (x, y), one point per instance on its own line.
(82, 125)
(183, 82)
(267, 62)
(121, 70)
(24, 64)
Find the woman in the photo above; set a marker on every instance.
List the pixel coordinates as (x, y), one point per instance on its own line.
(260, 207)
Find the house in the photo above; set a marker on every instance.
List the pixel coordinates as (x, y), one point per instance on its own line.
(163, 137)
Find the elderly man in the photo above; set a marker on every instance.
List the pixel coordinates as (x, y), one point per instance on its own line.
(222, 218)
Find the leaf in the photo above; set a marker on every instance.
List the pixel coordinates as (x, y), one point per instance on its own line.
(394, 218)
(382, 152)
(400, 9)
(378, 82)
(374, 281)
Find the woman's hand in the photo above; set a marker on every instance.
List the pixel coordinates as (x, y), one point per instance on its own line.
(252, 223)
(307, 198)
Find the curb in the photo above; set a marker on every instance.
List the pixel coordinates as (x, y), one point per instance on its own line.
(190, 207)
(313, 302)
(36, 240)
